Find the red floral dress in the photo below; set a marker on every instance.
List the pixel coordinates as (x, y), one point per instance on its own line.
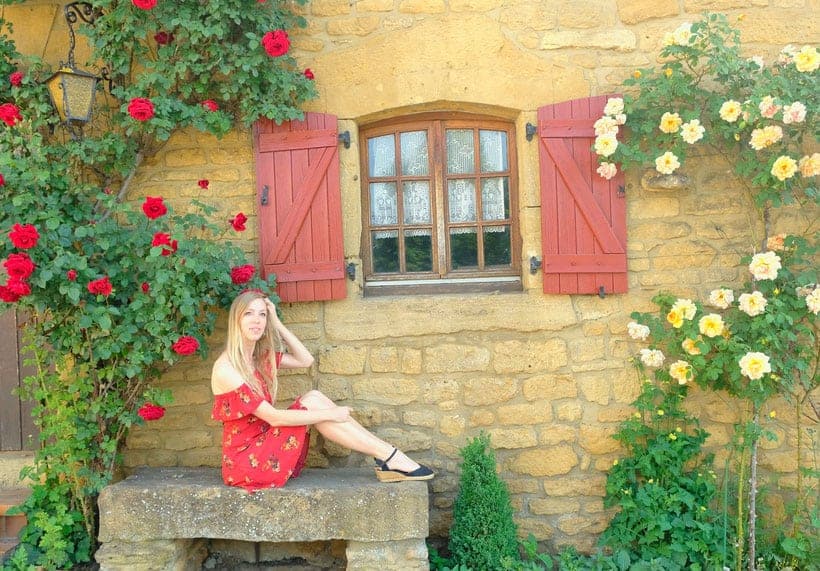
(256, 455)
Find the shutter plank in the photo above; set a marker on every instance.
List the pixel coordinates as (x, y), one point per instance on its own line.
(583, 215)
(303, 243)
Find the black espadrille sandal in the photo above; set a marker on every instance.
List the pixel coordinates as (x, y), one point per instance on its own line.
(386, 474)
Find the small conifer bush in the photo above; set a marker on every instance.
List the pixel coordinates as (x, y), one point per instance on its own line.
(483, 535)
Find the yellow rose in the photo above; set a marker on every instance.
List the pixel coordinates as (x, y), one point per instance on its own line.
(711, 325)
(754, 365)
(730, 111)
(690, 346)
(675, 317)
(670, 122)
(784, 167)
(667, 163)
(806, 59)
(681, 371)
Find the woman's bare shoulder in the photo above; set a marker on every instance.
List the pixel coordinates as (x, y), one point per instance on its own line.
(224, 376)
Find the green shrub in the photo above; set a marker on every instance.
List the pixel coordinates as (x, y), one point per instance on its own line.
(483, 535)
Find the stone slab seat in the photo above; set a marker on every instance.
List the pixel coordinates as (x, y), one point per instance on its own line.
(161, 518)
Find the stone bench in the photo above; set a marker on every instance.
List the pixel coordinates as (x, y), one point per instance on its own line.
(161, 518)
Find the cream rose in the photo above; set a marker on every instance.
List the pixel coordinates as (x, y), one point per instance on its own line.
(754, 365)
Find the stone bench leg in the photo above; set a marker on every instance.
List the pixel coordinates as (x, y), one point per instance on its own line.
(403, 555)
(158, 555)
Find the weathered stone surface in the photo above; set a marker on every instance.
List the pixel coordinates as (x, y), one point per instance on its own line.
(170, 503)
(634, 11)
(553, 506)
(621, 40)
(384, 360)
(152, 555)
(401, 555)
(455, 358)
(386, 391)
(488, 390)
(512, 437)
(535, 356)
(399, 316)
(342, 360)
(545, 462)
(550, 387)
(536, 412)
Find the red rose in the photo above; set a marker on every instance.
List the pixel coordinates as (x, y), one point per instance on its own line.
(18, 287)
(242, 274)
(163, 38)
(276, 43)
(141, 108)
(144, 4)
(210, 105)
(151, 411)
(24, 236)
(185, 345)
(16, 78)
(145, 287)
(238, 222)
(153, 207)
(71, 275)
(203, 183)
(7, 295)
(309, 73)
(10, 114)
(19, 266)
(162, 239)
(2, 180)
(100, 286)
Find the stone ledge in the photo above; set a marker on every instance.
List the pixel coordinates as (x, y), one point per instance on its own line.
(186, 503)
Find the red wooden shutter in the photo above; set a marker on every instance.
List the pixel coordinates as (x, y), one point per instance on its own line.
(300, 208)
(583, 216)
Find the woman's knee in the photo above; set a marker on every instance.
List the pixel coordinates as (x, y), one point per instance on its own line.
(315, 399)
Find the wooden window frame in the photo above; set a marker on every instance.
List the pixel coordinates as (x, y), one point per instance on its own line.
(442, 279)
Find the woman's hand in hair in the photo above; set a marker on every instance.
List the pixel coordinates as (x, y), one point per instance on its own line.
(272, 315)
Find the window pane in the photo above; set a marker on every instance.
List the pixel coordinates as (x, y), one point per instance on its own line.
(495, 198)
(418, 250)
(383, 203)
(385, 251)
(497, 251)
(382, 156)
(414, 153)
(416, 202)
(464, 248)
(493, 150)
(461, 200)
(460, 151)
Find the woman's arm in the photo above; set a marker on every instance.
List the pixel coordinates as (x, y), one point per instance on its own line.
(225, 378)
(298, 356)
(290, 417)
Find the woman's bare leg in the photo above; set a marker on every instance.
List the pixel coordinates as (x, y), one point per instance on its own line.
(353, 435)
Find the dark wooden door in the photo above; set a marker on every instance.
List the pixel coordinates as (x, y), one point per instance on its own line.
(17, 431)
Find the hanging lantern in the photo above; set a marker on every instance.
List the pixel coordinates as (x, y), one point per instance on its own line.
(72, 94)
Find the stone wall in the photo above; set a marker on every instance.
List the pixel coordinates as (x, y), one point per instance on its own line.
(548, 376)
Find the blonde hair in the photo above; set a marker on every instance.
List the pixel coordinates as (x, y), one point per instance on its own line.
(264, 353)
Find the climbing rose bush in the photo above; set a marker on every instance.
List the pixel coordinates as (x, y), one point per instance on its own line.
(119, 288)
(757, 114)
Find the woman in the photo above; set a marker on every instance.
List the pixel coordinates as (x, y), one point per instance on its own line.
(263, 446)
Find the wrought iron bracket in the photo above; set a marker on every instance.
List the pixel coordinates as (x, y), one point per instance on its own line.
(531, 131)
